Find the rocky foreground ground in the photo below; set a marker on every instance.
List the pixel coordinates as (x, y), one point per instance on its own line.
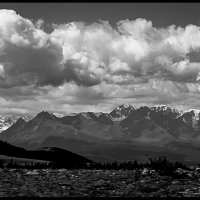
(97, 183)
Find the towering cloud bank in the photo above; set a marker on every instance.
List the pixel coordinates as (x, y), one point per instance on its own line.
(133, 56)
(133, 52)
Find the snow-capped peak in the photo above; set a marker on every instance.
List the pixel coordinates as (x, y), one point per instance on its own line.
(59, 115)
(162, 107)
(85, 115)
(195, 111)
(97, 114)
(124, 106)
(45, 115)
(121, 112)
(195, 116)
(8, 120)
(166, 108)
(71, 114)
(127, 106)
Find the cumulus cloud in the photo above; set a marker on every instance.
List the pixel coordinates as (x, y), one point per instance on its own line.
(39, 23)
(95, 63)
(90, 54)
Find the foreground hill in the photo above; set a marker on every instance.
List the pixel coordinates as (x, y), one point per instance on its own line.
(60, 156)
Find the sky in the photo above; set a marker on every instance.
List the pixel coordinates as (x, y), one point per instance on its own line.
(76, 57)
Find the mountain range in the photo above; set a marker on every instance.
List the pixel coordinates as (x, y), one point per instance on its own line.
(123, 134)
(8, 120)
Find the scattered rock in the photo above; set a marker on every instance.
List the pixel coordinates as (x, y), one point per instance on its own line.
(197, 170)
(32, 173)
(93, 183)
(181, 173)
(145, 171)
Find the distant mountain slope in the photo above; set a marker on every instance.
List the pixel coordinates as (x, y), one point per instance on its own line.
(170, 121)
(87, 131)
(145, 124)
(45, 125)
(121, 112)
(8, 120)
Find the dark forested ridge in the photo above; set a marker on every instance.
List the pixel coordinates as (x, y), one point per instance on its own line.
(55, 155)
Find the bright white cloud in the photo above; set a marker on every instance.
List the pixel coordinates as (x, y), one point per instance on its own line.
(81, 64)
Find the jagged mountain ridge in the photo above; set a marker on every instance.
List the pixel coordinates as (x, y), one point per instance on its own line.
(8, 120)
(147, 120)
(100, 137)
(121, 112)
(143, 124)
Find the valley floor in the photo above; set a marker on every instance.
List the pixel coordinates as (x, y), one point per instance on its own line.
(95, 183)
